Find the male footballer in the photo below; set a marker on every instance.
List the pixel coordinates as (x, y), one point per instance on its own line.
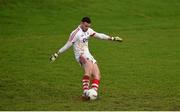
(79, 40)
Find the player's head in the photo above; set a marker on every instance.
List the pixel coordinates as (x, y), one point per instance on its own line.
(85, 23)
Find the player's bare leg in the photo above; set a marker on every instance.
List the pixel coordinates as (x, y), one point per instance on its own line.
(96, 72)
(91, 73)
(87, 66)
(96, 76)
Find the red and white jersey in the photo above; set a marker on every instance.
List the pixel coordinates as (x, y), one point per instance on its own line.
(79, 38)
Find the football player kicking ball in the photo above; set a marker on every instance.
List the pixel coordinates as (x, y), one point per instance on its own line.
(79, 40)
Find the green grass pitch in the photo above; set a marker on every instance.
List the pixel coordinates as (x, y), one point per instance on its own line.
(142, 73)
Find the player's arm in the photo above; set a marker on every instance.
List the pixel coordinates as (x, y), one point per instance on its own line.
(106, 37)
(61, 50)
(73, 37)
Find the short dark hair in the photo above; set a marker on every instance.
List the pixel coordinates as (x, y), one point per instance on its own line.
(86, 19)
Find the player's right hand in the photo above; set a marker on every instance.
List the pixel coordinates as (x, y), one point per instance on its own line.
(53, 57)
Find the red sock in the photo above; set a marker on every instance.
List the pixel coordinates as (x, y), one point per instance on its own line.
(85, 82)
(95, 84)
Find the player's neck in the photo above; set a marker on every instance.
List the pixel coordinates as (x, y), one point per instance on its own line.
(82, 28)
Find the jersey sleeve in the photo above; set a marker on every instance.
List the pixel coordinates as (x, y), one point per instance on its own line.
(65, 47)
(92, 32)
(99, 35)
(102, 36)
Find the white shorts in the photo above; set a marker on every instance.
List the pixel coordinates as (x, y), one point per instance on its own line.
(81, 58)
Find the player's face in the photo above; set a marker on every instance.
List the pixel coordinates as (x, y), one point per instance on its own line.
(85, 26)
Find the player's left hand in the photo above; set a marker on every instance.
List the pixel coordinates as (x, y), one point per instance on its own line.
(53, 57)
(117, 39)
